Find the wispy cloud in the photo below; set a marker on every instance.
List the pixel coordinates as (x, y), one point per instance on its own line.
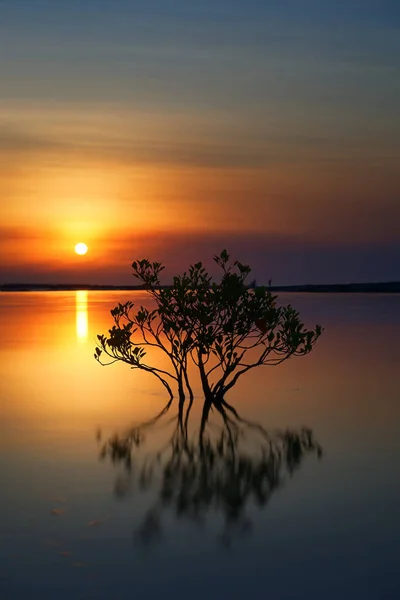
(284, 259)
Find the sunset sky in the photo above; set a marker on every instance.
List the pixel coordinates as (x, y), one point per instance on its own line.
(171, 129)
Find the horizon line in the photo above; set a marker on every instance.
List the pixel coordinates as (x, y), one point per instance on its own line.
(392, 286)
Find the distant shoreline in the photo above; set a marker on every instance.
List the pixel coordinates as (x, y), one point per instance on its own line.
(391, 287)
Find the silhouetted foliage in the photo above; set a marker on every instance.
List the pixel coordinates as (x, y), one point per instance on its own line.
(226, 329)
(233, 463)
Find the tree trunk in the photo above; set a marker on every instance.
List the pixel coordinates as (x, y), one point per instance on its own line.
(204, 381)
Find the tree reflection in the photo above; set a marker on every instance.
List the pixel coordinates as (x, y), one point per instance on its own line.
(225, 466)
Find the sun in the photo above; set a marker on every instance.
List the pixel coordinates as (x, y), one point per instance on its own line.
(81, 248)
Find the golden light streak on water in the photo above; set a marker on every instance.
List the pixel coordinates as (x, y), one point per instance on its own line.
(81, 315)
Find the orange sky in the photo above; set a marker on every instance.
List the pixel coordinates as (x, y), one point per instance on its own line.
(202, 150)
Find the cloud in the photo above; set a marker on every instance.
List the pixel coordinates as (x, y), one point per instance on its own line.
(215, 154)
(285, 259)
(18, 140)
(124, 149)
(175, 141)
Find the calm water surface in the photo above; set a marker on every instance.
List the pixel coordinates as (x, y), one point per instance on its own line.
(69, 522)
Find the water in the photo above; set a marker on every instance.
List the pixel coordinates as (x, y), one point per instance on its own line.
(67, 529)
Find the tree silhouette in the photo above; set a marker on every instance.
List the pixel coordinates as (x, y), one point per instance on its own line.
(225, 328)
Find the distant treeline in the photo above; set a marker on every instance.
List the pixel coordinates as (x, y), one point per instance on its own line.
(62, 287)
(392, 287)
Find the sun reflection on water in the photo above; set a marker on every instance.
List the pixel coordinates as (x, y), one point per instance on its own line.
(81, 315)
